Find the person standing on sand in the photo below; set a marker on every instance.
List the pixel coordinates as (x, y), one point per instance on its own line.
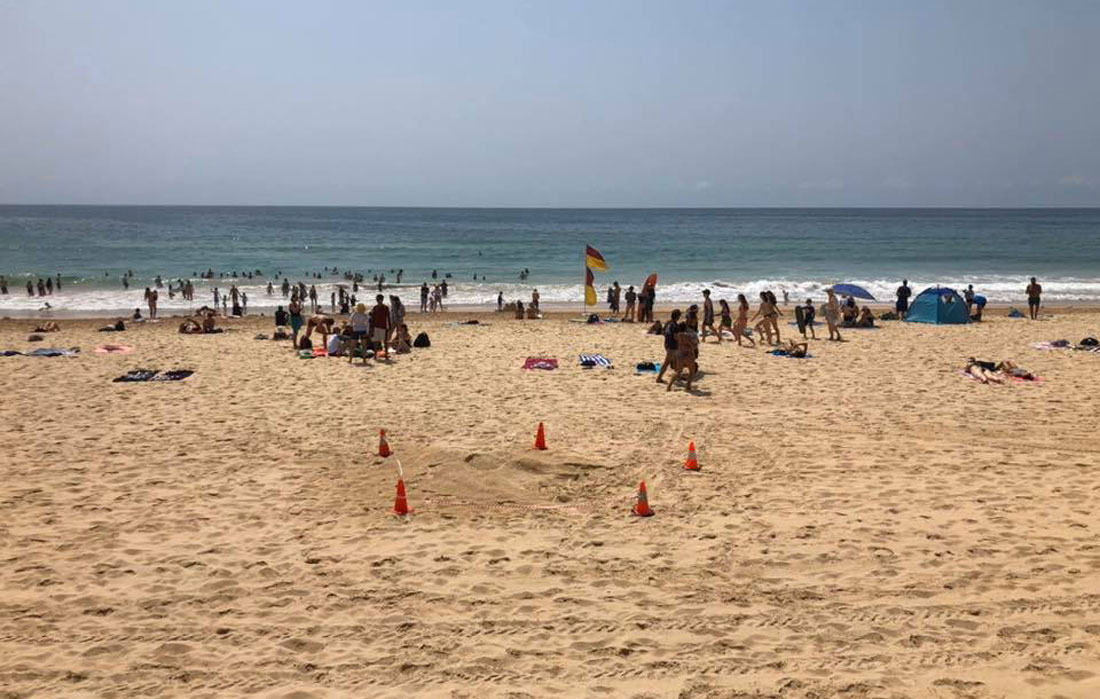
(360, 326)
(631, 299)
(295, 309)
(380, 324)
(424, 291)
(708, 318)
(500, 301)
(968, 297)
(313, 298)
(1034, 298)
(535, 299)
(616, 297)
(671, 329)
(832, 315)
(808, 316)
(902, 305)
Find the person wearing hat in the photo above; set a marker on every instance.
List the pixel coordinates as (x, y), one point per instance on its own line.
(360, 323)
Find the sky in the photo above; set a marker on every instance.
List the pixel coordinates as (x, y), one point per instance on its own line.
(598, 103)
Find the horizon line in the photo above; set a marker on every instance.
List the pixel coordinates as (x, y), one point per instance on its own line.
(564, 208)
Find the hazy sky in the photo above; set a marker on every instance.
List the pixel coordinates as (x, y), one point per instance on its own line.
(553, 103)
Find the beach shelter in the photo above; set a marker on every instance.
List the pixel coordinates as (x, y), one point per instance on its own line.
(939, 305)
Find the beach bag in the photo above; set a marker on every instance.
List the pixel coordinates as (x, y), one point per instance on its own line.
(422, 341)
(305, 343)
(1090, 342)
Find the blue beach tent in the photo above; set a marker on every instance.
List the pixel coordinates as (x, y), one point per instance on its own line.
(939, 305)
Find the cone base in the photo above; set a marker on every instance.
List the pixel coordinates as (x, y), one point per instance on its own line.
(647, 513)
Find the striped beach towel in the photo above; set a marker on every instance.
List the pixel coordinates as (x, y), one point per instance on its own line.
(593, 360)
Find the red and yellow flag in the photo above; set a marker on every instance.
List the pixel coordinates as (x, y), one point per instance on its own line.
(594, 260)
(589, 288)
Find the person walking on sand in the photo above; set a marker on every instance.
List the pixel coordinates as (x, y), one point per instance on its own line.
(708, 318)
(742, 322)
(767, 312)
(1034, 298)
(670, 332)
(726, 323)
(832, 315)
(903, 294)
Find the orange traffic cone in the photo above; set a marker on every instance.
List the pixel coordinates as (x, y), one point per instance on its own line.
(540, 438)
(692, 463)
(641, 503)
(401, 504)
(383, 446)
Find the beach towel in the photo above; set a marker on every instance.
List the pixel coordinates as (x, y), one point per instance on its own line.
(114, 349)
(547, 363)
(53, 352)
(305, 354)
(1055, 345)
(1007, 377)
(589, 361)
(137, 375)
(153, 375)
(647, 367)
(173, 375)
(42, 352)
(785, 353)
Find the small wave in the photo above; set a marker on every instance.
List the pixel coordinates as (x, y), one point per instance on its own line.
(78, 298)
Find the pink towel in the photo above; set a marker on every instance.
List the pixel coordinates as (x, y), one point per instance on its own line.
(540, 363)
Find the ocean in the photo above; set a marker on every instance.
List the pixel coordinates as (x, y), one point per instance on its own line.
(728, 250)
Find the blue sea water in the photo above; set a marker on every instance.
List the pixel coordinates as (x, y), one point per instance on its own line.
(731, 250)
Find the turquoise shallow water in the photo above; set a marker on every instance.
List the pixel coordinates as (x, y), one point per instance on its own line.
(732, 250)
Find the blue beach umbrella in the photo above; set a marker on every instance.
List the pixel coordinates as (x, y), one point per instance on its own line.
(853, 290)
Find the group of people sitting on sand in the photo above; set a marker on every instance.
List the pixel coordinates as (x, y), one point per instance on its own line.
(364, 333)
(202, 324)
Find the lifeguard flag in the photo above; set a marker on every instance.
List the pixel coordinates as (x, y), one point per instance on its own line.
(589, 289)
(594, 260)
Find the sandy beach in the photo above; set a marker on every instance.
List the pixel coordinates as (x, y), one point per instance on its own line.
(866, 523)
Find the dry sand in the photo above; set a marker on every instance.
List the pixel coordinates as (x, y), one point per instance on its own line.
(867, 523)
